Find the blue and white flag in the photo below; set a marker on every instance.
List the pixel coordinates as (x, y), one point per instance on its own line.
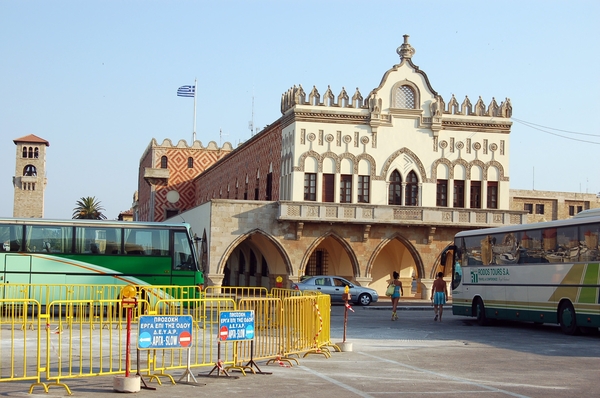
(186, 91)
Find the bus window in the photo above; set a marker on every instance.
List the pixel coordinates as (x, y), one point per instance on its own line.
(487, 244)
(530, 246)
(589, 249)
(566, 245)
(113, 241)
(505, 249)
(183, 258)
(473, 250)
(97, 240)
(48, 239)
(10, 237)
(147, 241)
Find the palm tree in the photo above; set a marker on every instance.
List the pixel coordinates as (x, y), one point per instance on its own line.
(88, 208)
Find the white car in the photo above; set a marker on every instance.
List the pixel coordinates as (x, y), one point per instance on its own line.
(334, 286)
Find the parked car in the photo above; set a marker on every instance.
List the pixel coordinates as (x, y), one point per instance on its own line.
(334, 286)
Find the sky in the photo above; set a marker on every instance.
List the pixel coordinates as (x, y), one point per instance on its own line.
(98, 79)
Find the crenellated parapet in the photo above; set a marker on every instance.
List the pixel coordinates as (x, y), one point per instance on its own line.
(182, 144)
(296, 96)
(438, 107)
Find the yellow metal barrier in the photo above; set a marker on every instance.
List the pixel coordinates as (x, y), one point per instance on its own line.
(204, 350)
(235, 292)
(76, 348)
(284, 293)
(70, 338)
(323, 317)
(267, 342)
(20, 349)
(297, 325)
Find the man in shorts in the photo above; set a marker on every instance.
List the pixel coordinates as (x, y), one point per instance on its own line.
(439, 295)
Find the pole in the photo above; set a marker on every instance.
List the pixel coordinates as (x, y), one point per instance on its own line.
(195, 89)
(345, 318)
(129, 310)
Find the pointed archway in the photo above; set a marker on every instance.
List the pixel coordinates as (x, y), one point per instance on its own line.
(330, 254)
(396, 253)
(254, 259)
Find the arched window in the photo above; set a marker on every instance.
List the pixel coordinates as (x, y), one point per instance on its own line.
(412, 189)
(163, 162)
(405, 97)
(31, 152)
(395, 193)
(24, 151)
(190, 162)
(30, 171)
(36, 153)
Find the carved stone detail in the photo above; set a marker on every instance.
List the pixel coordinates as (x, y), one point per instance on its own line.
(330, 212)
(366, 230)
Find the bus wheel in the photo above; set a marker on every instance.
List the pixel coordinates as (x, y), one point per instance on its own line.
(480, 312)
(567, 319)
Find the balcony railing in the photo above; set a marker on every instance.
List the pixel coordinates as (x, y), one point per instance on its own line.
(380, 214)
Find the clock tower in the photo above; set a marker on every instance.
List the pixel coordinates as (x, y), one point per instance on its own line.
(30, 177)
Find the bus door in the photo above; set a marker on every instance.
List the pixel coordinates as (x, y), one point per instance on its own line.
(17, 268)
(451, 259)
(184, 265)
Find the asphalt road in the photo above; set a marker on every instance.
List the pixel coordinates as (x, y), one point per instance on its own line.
(411, 357)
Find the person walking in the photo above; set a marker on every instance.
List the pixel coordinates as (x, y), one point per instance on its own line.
(439, 295)
(396, 295)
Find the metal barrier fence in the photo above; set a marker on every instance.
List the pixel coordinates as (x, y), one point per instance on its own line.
(20, 337)
(62, 338)
(236, 291)
(283, 293)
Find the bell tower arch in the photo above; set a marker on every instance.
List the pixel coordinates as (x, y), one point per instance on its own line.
(29, 181)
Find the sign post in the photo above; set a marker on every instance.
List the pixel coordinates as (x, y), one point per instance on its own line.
(234, 326)
(127, 383)
(167, 332)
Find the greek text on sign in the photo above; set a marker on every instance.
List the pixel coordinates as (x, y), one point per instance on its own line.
(236, 325)
(157, 331)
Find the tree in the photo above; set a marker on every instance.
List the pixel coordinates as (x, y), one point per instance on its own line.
(88, 208)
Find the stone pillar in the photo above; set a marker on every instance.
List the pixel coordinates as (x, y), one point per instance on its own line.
(448, 286)
(426, 286)
(362, 281)
(215, 279)
(406, 286)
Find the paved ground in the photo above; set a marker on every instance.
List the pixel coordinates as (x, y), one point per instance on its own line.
(412, 357)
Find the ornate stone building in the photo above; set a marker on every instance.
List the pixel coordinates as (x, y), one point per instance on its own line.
(29, 181)
(356, 186)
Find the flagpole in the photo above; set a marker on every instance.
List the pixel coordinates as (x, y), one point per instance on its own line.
(195, 89)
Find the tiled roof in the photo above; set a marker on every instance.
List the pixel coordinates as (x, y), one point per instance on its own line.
(31, 138)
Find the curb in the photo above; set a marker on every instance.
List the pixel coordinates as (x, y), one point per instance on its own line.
(404, 308)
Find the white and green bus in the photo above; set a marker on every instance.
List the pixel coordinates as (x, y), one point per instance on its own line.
(546, 272)
(75, 252)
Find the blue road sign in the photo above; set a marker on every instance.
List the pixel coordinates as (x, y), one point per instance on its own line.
(164, 331)
(236, 325)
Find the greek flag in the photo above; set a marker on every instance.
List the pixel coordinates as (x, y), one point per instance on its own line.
(186, 91)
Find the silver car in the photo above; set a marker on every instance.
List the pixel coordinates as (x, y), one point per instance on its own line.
(334, 286)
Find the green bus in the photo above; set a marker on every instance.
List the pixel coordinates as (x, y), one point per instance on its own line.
(93, 252)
